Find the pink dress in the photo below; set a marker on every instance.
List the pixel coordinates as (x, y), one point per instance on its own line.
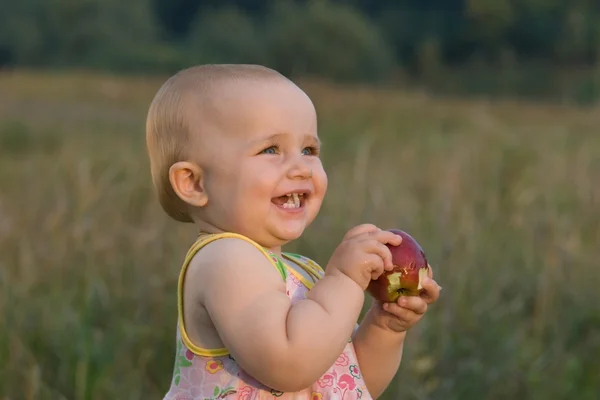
(203, 374)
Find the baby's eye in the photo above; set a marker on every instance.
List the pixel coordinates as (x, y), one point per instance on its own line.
(270, 150)
(310, 151)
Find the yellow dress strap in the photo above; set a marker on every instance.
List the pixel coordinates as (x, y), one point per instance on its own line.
(203, 240)
(309, 266)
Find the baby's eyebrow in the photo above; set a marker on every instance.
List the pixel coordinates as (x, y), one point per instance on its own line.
(282, 135)
(314, 139)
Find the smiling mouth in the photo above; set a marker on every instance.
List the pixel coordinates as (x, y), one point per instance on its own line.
(290, 200)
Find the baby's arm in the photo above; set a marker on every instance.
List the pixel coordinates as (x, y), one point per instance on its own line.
(284, 347)
(379, 353)
(379, 341)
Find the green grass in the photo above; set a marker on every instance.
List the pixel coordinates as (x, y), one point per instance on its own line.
(504, 196)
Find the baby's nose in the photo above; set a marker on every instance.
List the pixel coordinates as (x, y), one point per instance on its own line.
(300, 169)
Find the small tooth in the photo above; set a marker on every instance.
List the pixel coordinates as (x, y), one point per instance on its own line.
(288, 195)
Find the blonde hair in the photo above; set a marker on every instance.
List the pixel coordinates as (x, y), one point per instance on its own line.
(168, 131)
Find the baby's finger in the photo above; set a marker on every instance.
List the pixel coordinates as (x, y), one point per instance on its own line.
(431, 290)
(360, 230)
(375, 263)
(387, 237)
(381, 250)
(404, 314)
(413, 303)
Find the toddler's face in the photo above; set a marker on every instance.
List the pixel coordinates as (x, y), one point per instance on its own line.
(264, 177)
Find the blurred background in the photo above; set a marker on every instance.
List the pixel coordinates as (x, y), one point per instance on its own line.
(473, 125)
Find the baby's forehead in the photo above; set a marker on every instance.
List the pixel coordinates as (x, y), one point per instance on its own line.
(244, 107)
(232, 92)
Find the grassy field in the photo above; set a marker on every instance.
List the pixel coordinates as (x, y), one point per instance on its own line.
(505, 198)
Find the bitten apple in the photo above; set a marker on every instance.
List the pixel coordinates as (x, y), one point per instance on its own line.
(410, 267)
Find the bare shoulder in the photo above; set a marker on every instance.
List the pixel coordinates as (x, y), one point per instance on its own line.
(227, 263)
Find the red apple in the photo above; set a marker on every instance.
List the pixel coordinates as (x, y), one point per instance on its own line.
(410, 267)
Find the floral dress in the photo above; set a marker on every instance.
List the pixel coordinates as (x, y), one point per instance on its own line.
(207, 374)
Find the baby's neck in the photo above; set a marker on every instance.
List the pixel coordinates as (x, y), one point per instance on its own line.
(205, 227)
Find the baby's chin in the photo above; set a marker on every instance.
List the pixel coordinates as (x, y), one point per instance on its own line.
(270, 238)
(290, 233)
(274, 234)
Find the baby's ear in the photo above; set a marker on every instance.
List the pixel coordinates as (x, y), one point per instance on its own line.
(187, 180)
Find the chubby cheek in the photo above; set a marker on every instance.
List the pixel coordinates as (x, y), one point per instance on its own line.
(320, 183)
(257, 193)
(247, 211)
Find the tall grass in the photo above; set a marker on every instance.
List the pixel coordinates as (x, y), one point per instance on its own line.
(504, 196)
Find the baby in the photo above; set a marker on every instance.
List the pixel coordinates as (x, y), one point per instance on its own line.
(234, 149)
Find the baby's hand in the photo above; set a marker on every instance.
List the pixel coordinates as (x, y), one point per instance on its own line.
(407, 310)
(363, 254)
